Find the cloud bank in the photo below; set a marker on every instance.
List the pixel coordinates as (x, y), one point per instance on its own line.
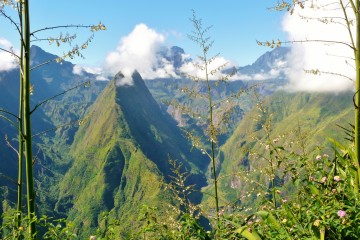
(330, 59)
(139, 51)
(146, 51)
(7, 61)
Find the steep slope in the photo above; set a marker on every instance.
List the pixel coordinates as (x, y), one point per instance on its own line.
(267, 73)
(121, 157)
(50, 123)
(313, 117)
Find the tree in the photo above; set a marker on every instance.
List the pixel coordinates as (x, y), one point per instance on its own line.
(25, 111)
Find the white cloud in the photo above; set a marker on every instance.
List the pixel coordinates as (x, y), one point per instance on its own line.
(97, 71)
(326, 57)
(124, 79)
(138, 51)
(78, 70)
(193, 68)
(7, 60)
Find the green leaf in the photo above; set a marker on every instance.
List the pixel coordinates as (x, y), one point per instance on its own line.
(247, 234)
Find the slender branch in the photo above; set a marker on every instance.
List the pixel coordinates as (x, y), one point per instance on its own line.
(340, 56)
(62, 26)
(46, 39)
(348, 25)
(353, 7)
(8, 178)
(10, 113)
(10, 121)
(57, 127)
(323, 41)
(273, 44)
(325, 20)
(315, 72)
(75, 50)
(57, 95)
(44, 63)
(10, 52)
(11, 146)
(11, 20)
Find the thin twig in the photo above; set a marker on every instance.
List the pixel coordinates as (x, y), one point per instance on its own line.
(57, 95)
(11, 20)
(9, 145)
(8, 178)
(10, 52)
(10, 113)
(62, 26)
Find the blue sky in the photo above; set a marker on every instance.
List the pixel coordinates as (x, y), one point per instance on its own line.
(136, 30)
(237, 24)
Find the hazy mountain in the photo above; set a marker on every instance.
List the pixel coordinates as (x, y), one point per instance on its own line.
(268, 61)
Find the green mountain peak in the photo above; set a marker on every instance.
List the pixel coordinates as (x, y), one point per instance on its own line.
(120, 157)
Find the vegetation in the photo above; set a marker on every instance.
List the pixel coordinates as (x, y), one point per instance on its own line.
(26, 89)
(279, 175)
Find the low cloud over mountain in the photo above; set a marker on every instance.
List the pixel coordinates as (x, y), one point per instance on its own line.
(146, 51)
(315, 25)
(139, 51)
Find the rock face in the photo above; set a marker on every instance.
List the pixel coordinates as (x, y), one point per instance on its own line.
(121, 155)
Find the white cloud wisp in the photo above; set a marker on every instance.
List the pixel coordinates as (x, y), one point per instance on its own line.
(324, 48)
(7, 60)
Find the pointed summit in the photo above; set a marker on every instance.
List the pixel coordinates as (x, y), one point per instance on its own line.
(121, 157)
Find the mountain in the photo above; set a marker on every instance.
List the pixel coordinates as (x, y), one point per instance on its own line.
(270, 60)
(120, 158)
(299, 122)
(267, 73)
(53, 123)
(117, 159)
(175, 56)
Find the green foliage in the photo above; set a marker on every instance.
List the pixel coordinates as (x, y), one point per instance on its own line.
(182, 221)
(299, 122)
(319, 200)
(48, 228)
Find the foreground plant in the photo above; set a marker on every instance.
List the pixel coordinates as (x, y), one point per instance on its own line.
(322, 202)
(350, 20)
(26, 90)
(48, 228)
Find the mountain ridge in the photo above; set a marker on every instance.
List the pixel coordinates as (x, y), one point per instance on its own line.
(115, 151)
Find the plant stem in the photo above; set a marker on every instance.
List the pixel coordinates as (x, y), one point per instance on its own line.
(20, 157)
(27, 122)
(212, 137)
(21, 140)
(273, 182)
(322, 234)
(357, 98)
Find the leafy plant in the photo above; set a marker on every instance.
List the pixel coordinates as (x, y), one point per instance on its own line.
(23, 124)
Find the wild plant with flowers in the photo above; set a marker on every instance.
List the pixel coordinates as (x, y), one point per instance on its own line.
(322, 202)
